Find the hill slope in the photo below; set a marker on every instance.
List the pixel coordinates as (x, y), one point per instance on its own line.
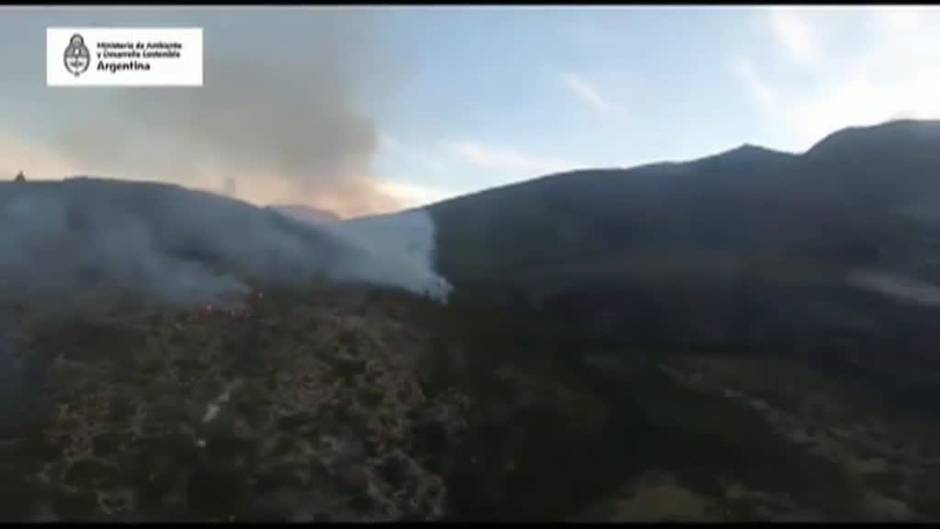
(749, 250)
(321, 402)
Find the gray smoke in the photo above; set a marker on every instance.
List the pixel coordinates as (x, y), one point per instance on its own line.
(66, 246)
(400, 249)
(906, 289)
(284, 109)
(294, 130)
(283, 117)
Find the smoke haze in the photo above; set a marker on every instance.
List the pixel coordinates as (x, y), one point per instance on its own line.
(280, 117)
(63, 242)
(283, 117)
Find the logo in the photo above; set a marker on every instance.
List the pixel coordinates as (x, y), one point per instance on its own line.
(109, 56)
(77, 57)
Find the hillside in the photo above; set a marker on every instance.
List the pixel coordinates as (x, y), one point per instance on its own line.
(742, 201)
(324, 403)
(829, 255)
(302, 404)
(747, 336)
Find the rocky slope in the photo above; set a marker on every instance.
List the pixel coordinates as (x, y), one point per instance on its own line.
(349, 403)
(298, 406)
(799, 446)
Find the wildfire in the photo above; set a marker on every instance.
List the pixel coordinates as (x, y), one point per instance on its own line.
(205, 311)
(238, 312)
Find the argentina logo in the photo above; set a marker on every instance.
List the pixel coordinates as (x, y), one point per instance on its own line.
(77, 57)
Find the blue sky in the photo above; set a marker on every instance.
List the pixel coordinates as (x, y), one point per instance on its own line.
(460, 98)
(522, 91)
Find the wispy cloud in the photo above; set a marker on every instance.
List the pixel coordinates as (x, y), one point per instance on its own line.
(507, 159)
(858, 101)
(901, 18)
(409, 168)
(756, 86)
(588, 93)
(900, 76)
(794, 32)
(391, 146)
(894, 72)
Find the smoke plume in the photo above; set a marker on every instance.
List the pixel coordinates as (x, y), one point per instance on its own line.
(284, 110)
(67, 246)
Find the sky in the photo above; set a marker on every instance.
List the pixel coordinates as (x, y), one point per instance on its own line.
(367, 110)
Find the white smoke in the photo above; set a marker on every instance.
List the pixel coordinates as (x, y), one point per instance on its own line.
(401, 247)
(63, 242)
(905, 289)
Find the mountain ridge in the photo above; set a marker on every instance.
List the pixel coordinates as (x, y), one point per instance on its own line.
(747, 149)
(748, 250)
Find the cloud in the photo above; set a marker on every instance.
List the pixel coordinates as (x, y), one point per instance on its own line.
(507, 159)
(898, 75)
(588, 93)
(900, 18)
(793, 31)
(754, 84)
(410, 168)
(393, 147)
(892, 72)
(449, 169)
(859, 101)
